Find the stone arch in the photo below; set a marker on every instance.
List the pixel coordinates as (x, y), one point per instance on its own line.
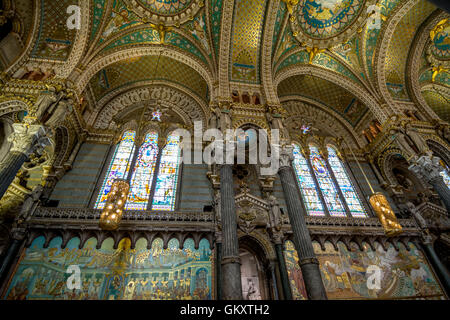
(414, 62)
(354, 88)
(13, 105)
(102, 62)
(388, 31)
(180, 100)
(62, 142)
(440, 149)
(319, 114)
(28, 46)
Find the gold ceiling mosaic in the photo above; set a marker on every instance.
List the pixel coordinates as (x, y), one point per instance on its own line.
(397, 54)
(131, 71)
(439, 102)
(325, 92)
(322, 23)
(166, 12)
(246, 40)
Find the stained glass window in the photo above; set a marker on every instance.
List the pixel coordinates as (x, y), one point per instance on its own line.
(307, 186)
(444, 174)
(350, 195)
(119, 166)
(141, 180)
(329, 191)
(166, 183)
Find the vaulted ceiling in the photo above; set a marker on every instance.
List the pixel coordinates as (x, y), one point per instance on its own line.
(262, 45)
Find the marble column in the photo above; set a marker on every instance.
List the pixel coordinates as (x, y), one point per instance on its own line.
(17, 237)
(283, 272)
(429, 169)
(231, 266)
(302, 239)
(219, 270)
(441, 270)
(26, 139)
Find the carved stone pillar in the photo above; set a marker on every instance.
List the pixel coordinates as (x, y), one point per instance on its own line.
(302, 239)
(441, 270)
(429, 169)
(25, 140)
(283, 272)
(17, 237)
(231, 266)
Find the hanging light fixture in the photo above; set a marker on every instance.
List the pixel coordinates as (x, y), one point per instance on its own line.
(381, 206)
(117, 198)
(112, 212)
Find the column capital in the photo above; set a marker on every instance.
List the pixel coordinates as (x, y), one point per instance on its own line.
(427, 168)
(27, 139)
(286, 155)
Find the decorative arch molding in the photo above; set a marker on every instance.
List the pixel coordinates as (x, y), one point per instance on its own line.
(85, 234)
(62, 148)
(380, 55)
(259, 123)
(63, 69)
(413, 65)
(177, 54)
(170, 95)
(21, 60)
(302, 108)
(440, 148)
(266, 54)
(385, 162)
(357, 90)
(14, 105)
(260, 240)
(224, 50)
(103, 48)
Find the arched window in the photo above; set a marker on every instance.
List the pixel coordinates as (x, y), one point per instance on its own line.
(444, 174)
(330, 194)
(166, 183)
(119, 166)
(141, 181)
(306, 183)
(143, 172)
(351, 197)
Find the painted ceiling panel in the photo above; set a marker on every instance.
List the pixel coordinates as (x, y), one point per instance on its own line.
(55, 40)
(397, 54)
(439, 102)
(246, 40)
(371, 35)
(141, 69)
(325, 92)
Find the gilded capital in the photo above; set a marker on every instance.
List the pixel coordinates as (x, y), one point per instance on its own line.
(28, 139)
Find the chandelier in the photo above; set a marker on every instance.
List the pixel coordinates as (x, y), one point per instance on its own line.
(113, 211)
(381, 206)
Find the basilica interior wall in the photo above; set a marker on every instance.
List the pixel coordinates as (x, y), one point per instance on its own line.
(77, 186)
(404, 272)
(145, 272)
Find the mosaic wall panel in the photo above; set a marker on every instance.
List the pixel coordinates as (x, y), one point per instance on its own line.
(54, 40)
(109, 274)
(247, 29)
(404, 274)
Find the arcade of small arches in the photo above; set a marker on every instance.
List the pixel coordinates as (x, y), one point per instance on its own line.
(361, 111)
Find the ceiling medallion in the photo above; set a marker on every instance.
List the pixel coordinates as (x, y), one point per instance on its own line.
(438, 51)
(165, 12)
(324, 23)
